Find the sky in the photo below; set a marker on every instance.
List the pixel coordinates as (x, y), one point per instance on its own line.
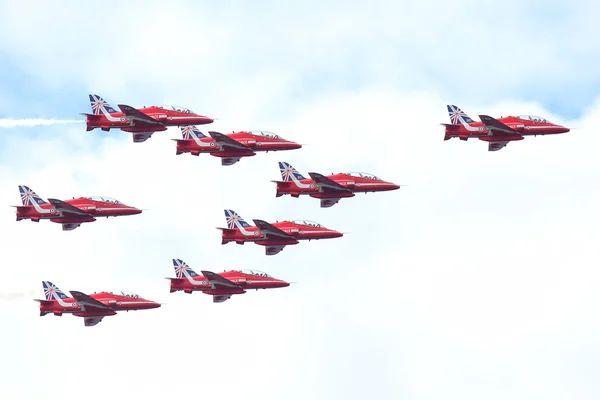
(478, 279)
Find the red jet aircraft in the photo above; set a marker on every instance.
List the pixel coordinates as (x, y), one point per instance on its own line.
(230, 147)
(330, 189)
(70, 213)
(222, 285)
(498, 132)
(143, 122)
(273, 236)
(93, 307)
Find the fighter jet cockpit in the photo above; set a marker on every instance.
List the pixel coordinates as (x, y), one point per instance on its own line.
(307, 223)
(125, 294)
(267, 134)
(104, 199)
(177, 108)
(255, 273)
(364, 175)
(533, 118)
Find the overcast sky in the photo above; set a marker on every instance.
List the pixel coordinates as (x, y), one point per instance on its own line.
(478, 280)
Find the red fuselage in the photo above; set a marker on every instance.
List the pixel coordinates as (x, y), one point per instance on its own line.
(166, 117)
(189, 284)
(295, 230)
(96, 208)
(115, 302)
(253, 142)
(524, 127)
(355, 184)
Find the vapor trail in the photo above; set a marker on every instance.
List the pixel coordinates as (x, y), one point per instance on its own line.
(11, 296)
(31, 122)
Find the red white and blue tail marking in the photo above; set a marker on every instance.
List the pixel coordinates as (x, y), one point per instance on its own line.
(182, 270)
(98, 105)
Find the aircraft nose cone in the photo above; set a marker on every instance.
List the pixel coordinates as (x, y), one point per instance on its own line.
(294, 146)
(284, 284)
(336, 234)
(135, 211)
(154, 304)
(393, 186)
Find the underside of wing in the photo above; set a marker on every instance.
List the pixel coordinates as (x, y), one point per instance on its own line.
(70, 226)
(326, 203)
(269, 230)
(139, 137)
(219, 298)
(67, 210)
(497, 128)
(272, 250)
(218, 282)
(495, 146)
(327, 185)
(137, 117)
(226, 143)
(89, 304)
(91, 321)
(229, 160)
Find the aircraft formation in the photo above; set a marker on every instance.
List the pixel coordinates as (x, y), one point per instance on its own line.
(142, 123)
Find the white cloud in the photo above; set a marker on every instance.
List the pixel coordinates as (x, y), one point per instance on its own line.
(478, 280)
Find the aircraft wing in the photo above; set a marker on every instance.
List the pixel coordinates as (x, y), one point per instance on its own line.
(496, 127)
(272, 250)
(226, 143)
(89, 304)
(269, 230)
(139, 137)
(136, 115)
(218, 282)
(219, 298)
(67, 210)
(229, 160)
(91, 321)
(495, 146)
(327, 185)
(70, 226)
(326, 203)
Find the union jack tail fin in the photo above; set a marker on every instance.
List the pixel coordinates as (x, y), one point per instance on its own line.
(190, 132)
(458, 116)
(288, 173)
(52, 292)
(99, 105)
(234, 220)
(182, 269)
(28, 196)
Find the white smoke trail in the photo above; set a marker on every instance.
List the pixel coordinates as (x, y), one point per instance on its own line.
(31, 122)
(11, 296)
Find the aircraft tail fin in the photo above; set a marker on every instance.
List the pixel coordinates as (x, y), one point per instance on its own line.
(52, 292)
(190, 132)
(28, 196)
(182, 270)
(289, 173)
(234, 220)
(458, 116)
(99, 106)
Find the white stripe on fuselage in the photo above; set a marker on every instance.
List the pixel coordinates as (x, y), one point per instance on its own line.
(300, 184)
(467, 126)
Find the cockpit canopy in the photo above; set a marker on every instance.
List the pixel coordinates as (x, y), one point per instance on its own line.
(125, 293)
(255, 273)
(364, 175)
(104, 199)
(307, 222)
(177, 108)
(532, 118)
(266, 134)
